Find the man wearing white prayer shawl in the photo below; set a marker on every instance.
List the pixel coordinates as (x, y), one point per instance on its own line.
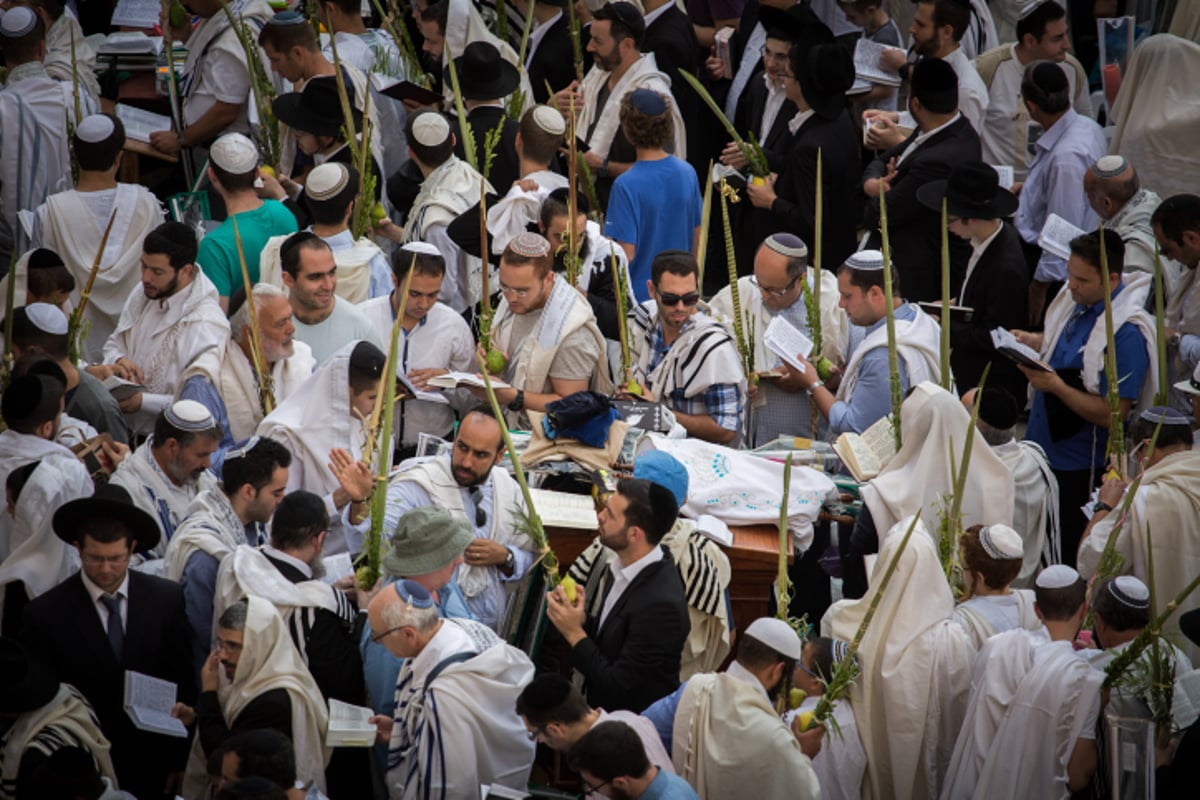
(324, 421)
(72, 223)
(1166, 505)
(455, 724)
(1024, 685)
(862, 396)
(166, 324)
(166, 473)
(1035, 489)
(933, 423)
(1176, 225)
(34, 112)
(66, 45)
(909, 700)
(33, 559)
(254, 678)
(991, 557)
(224, 379)
(725, 732)
(232, 513)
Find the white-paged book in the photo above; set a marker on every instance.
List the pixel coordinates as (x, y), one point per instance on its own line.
(139, 123)
(564, 510)
(148, 702)
(1056, 236)
(866, 63)
(349, 725)
(452, 380)
(787, 341)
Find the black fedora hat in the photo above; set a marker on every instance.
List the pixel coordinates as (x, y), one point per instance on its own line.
(25, 684)
(827, 74)
(972, 192)
(318, 108)
(792, 23)
(110, 502)
(1189, 625)
(483, 74)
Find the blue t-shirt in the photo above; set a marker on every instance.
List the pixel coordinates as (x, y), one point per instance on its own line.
(218, 256)
(654, 206)
(1078, 451)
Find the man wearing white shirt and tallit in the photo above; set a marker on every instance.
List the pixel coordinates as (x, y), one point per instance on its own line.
(164, 475)
(456, 726)
(166, 324)
(224, 379)
(433, 340)
(322, 425)
(1030, 717)
(72, 223)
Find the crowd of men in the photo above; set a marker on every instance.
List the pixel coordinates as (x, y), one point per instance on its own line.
(193, 452)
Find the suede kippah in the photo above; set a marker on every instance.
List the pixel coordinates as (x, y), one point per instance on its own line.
(549, 120)
(665, 470)
(43, 258)
(188, 415)
(326, 181)
(47, 318)
(865, 260)
(1129, 591)
(367, 358)
(1057, 576)
(95, 129)
(787, 244)
(998, 408)
(530, 245)
(648, 102)
(18, 21)
(1109, 166)
(546, 691)
(26, 395)
(1049, 77)
(430, 129)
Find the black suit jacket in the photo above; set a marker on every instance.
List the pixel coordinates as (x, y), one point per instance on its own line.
(484, 120)
(748, 120)
(915, 232)
(795, 206)
(553, 61)
(633, 659)
(63, 628)
(999, 294)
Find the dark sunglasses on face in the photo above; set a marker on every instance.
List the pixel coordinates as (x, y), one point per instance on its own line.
(670, 300)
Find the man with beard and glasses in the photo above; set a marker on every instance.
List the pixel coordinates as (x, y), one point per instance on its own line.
(166, 326)
(323, 625)
(468, 485)
(687, 360)
(170, 469)
(723, 727)
(224, 380)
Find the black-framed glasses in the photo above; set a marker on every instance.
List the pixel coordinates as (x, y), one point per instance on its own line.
(773, 292)
(535, 733)
(671, 300)
(590, 789)
(379, 637)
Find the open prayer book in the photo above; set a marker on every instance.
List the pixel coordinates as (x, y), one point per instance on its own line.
(349, 725)
(148, 702)
(565, 510)
(120, 388)
(866, 63)
(1056, 236)
(957, 313)
(139, 123)
(787, 341)
(452, 380)
(866, 454)
(416, 394)
(1006, 344)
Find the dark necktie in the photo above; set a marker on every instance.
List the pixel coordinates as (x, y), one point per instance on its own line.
(116, 631)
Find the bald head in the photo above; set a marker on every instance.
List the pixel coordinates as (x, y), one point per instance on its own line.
(1110, 184)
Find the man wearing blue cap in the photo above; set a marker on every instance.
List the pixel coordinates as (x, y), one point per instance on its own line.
(456, 725)
(1167, 503)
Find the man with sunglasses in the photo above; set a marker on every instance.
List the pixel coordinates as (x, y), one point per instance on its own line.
(685, 360)
(777, 289)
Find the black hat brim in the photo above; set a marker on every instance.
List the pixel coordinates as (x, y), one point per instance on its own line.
(1189, 625)
(499, 84)
(1002, 205)
(289, 109)
(70, 516)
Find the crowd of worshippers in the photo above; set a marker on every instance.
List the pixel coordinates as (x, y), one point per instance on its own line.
(188, 404)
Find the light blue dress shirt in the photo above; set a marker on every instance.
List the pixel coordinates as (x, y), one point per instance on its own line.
(871, 399)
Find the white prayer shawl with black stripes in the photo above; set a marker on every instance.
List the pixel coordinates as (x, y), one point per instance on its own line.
(66, 721)
(156, 494)
(456, 725)
(211, 526)
(704, 355)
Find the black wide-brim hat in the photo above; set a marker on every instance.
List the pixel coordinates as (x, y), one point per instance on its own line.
(318, 108)
(110, 502)
(483, 74)
(827, 75)
(25, 685)
(1189, 625)
(972, 192)
(791, 23)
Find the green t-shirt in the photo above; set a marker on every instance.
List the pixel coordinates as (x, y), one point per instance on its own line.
(218, 256)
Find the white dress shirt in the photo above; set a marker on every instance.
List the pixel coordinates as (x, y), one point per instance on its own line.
(623, 576)
(972, 92)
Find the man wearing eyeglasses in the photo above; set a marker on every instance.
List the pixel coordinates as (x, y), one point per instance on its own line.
(776, 289)
(686, 360)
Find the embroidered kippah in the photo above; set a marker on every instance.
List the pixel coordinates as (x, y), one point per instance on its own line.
(95, 129)
(326, 181)
(424, 248)
(549, 120)
(287, 18)
(234, 153)
(1165, 415)
(1129, 591)
(1057, 576)
(1001, 542)
(431, 129)
(1030, 7)
(530, 245)
(188, 415)
(17, 22)
(787, 244)
(47, 318)
(1109, 166)
(242, 451)
(867, 260)
(777, 635)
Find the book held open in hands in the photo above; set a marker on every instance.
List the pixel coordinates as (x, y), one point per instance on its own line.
(349, 725)
(148, 702)
(866, 454)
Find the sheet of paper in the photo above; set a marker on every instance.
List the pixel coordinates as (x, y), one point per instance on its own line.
(139, 123)
(786, 341)
(1056, 236)
(1005, 173)
(136, 13)
(866, 62)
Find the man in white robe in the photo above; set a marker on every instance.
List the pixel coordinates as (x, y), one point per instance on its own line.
(433, 340)
(166, 325)
(725, 732)
(225, 381)
(34, 112)
(322, 424)
(165, 474)
(63, 33)
(1166, 505)
(32, 555)
(1115, 193)
(72, 224)
(780, 287)
(1026, 681)
(456, 726)
(469, 484)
